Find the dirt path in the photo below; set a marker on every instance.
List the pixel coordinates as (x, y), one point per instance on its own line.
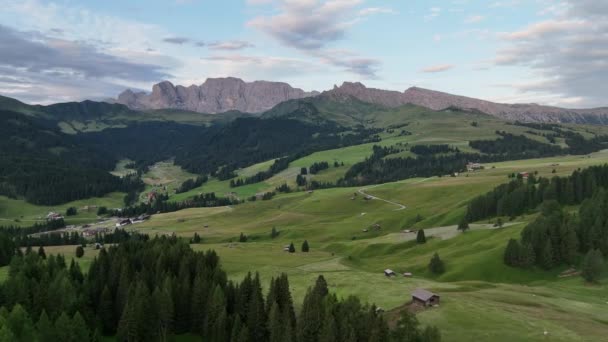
(401, 206)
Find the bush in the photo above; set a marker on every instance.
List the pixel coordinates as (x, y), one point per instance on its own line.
(71, 211)
(102, 211)
(79, 252)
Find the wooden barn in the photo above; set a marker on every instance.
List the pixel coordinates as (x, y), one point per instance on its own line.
(389, 273)
(424, 297)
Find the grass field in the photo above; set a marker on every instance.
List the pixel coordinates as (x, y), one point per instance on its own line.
(21, 213)
(481, 297)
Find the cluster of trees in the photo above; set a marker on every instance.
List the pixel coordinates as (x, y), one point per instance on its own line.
(190, 184)
(520, 196)
(316, 167)
(433, 149)
(522, 147)
(516, 146)
(264, 197)
(145, 291)
(162, 205)
(276, 167)
(283, 188)
(556, 238)
(377, 169)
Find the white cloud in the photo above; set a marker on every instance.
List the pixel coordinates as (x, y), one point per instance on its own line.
(377, 10)
(312, 26)
(438, 68)
(568, 53)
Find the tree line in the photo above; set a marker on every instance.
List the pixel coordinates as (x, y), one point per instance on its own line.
(163, 205)
(520, 195)
(152, 290)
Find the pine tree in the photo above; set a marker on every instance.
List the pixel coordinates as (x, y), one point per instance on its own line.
(20, 324)
(6, 335)
(305, 247)
(436, 265)
(463, 225)
(237, 326)
(105, 312)
(303, 171)
(256, 313)
(276, 329)
(79, 330)
(546, 256)
(420, 237)
(406, 329)
(593, 265)
(46, 331)
(569, 244)
(527, 255)
(499, 222)
(163, 305)
(41, 252)
(329, 331)
(292, 248)
(274, 233)
(512, 256)
(63, 328)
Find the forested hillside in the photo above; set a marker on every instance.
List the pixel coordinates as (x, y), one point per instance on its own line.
(150, 290)
(45, 166)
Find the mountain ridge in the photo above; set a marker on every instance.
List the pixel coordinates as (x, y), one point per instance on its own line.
(215, 95)
(437, 100)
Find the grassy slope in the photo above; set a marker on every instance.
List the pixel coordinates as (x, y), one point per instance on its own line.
(19, 212)
(480, 295)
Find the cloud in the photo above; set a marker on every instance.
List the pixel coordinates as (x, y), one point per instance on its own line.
(474, 19)
(438, 68)
(308, 24)
(258, 67)
(42, 60)
(350, 62)
(176, 40)
(567, 53)
(312, 26)
(230, 45)
(377, 10)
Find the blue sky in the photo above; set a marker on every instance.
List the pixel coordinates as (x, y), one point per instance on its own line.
(544, 51)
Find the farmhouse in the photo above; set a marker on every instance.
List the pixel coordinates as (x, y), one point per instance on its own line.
(424, 297)
(474, 166)
(524, 175)
(52, 216)
(122, 223)
(389, 273)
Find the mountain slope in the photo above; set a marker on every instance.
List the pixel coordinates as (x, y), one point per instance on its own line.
(436, 100)
(215, 95)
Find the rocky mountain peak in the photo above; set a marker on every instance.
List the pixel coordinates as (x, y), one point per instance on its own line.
(215, 95)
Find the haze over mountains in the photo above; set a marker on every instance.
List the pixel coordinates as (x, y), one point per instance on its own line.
(217, 95)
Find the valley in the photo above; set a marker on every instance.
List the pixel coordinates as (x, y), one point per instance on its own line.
(354, 230)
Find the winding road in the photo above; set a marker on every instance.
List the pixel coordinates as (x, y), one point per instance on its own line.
(362, 192)
(401, 206)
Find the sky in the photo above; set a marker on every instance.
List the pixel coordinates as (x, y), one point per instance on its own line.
(551, 52)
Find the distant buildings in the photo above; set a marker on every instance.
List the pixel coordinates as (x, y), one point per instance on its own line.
(52, 216)
(474, 166)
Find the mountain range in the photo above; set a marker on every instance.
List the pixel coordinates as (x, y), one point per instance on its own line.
(218, 95)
